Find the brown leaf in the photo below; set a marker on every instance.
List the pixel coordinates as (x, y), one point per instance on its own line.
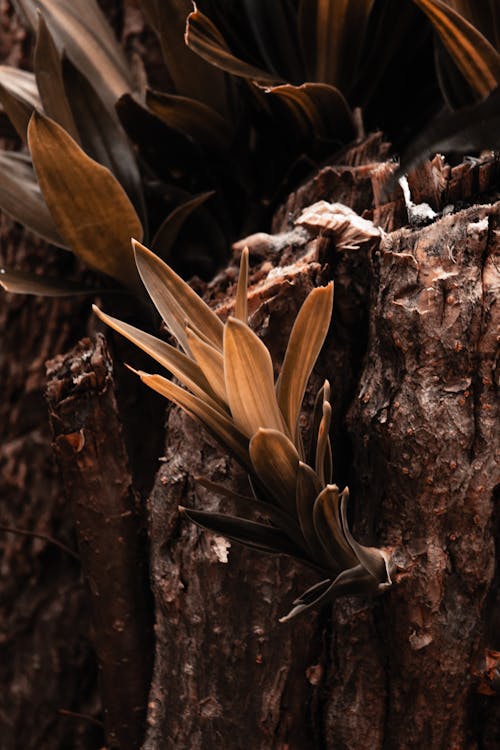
(328, 526)
(211, 363)
(476, 58)
(276, 463)
(306, 339)
(241, 302)
(19, 282)
(49, 79)
(19, 97)
(250, 380)
(89, 207)
(176, 302)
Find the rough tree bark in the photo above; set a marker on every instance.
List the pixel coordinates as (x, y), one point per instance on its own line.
(412, 358)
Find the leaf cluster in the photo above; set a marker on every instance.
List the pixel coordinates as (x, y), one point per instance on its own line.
(257, 94)
(228, 385)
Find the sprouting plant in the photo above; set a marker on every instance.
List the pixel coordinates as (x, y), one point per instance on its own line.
(229, 387)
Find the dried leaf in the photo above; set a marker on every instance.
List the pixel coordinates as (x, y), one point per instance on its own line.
(347, 228)
(88, 205)
(165, 286)
(477, 59)
(304, 345)
(241, 302)
(250, 380)
(276, 463)
(187, 371)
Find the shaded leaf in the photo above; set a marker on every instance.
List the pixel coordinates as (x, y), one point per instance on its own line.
(304, 345)
(215, 420)
(102, 135)
(470, 129)
(351, 582)
(203, 37)
(164, 287)
(168, 232)
(81, 29)
(193, 117)
(21, 198)
(371, 558)
(49, 79)
(19, 97)
(250, 380)
(87, 203)
(187, 371)
(190, 74)
(275, 32)
(19, 282)
(250, 533)
(276, 463)
(476, 58)
(319, 111)
(328, 525)
(333, 34)
(306, 492)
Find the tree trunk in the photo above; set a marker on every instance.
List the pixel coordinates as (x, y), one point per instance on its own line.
(411, 357)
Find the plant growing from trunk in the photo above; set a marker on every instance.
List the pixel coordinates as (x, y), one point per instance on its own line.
(229, 387)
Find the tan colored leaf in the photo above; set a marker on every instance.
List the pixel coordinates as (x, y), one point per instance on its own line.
(477, 59)
(241, 303)
(176, 302)
(89, 207)
(215, 421)
(249, 378)
(306, 339)
(211, 363)
(183, 367)
(276, 463)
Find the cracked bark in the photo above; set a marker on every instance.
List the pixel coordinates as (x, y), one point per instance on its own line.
(412, 359)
